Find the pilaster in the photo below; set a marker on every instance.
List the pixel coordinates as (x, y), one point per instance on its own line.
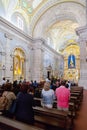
(38, 61)
(8, 60)
(82, 32)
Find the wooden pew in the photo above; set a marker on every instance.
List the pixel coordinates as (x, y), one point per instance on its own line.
(78, 90)
(53, 117)
(74, 100)
(12, 124)
(72, 107)
(37, 101)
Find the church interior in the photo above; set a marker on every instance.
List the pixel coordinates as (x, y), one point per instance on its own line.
(42, 39)
(37, 38)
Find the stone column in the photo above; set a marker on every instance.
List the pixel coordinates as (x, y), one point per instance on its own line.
(28, 64)
(82, 32)
(37, 61)
(8, 64)
(42, 64)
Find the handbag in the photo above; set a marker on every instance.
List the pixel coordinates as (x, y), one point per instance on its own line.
(13, 107)
(3, 102)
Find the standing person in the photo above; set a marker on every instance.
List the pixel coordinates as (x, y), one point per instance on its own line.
(35, 84)
(69, 84)
(56, 85)
(62, 94)
(24, 110)
(47, 95)
(24, 81)
(3, 82)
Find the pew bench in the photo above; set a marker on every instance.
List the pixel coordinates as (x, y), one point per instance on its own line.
(74, 100)
(71, 112)
(77, 99)
(78, 89)
(53, 117)
(12, 124)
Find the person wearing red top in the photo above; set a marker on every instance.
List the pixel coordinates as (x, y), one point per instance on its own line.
(62, 95)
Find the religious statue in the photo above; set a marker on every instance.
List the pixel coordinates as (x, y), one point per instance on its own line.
(71, 61)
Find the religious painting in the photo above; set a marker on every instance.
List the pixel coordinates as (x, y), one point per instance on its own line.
(71, 61)
(16, 65)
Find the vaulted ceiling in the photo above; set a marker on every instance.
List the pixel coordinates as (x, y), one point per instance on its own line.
(53, 20)
(56, 21)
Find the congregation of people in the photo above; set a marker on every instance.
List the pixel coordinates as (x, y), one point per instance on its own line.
(23, 92)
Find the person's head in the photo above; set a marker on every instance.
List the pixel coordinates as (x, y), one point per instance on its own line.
(46, 86)
(68, 81)
(8, 87)
(57, 83)
(31, 90)
(63, 82)
(7, 81)
(24, 88)
(3, 78)
(24, 80)
(66, 85)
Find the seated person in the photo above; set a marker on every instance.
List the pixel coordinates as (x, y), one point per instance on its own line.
(47, 95)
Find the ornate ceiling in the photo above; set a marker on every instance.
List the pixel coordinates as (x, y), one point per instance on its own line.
(62, 33)
(55, 20)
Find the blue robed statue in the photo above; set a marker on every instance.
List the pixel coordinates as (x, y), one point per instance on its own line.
(71, 61)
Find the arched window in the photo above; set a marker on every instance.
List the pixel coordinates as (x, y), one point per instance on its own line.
(19, 21)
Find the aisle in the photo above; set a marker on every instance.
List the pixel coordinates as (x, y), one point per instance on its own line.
(81, 120)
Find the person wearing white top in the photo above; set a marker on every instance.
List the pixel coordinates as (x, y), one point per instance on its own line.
(3, 81)
(47, 96)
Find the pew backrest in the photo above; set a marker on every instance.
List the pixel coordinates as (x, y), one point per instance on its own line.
(52, 117)
(16, 124)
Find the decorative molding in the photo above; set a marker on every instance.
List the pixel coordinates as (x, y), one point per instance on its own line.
(81, 30)
(8, 36)
(2, 53)
(14, 29)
